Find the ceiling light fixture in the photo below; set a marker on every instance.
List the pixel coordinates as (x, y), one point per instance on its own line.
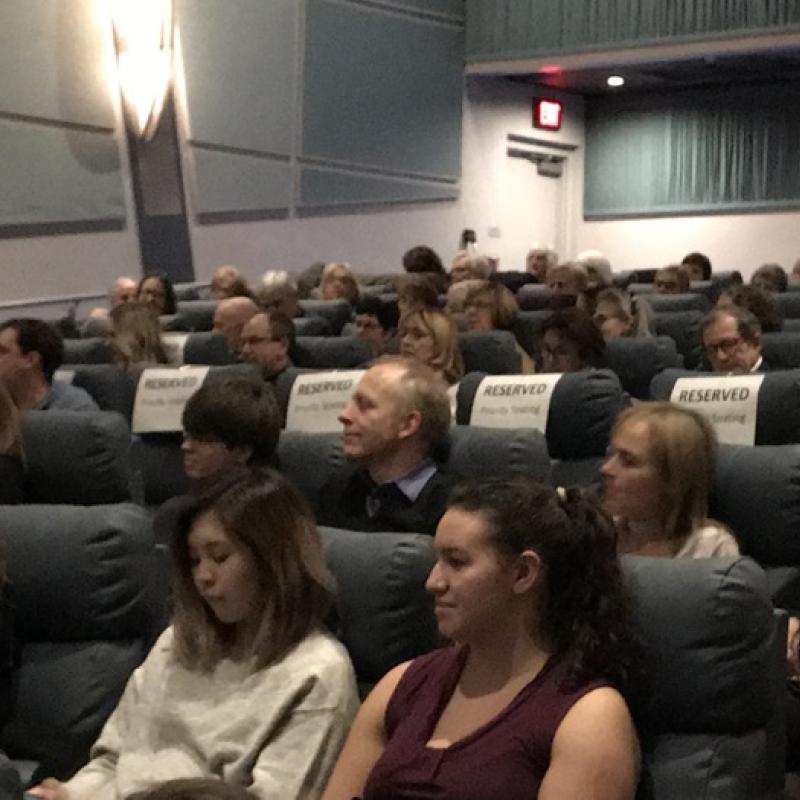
(615, 81)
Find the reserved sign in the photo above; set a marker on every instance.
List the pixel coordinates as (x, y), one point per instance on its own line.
(729, 402)
(518, 401)
(161, 395)
(318, 398)
(174, 344)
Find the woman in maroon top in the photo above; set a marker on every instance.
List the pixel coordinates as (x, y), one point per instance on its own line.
(524, 706)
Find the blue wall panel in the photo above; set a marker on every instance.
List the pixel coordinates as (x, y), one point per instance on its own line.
(239, 60)
(49, 175)
(53, 59)
(228, 183)
(382, 90)
(320, 188)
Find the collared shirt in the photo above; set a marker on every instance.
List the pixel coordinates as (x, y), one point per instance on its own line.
(411, 485)
(757, 366)
(64, 397)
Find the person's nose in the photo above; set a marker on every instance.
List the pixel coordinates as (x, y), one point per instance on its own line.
(204, 575)
(435, 583)
(345, 416)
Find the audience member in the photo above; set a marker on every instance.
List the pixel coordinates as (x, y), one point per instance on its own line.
(30, 353)
(618, 313)
(135, 335)
(266, 342)
(156, 289)
(393, 425)
(376, 323)
(12, 474)
(597, 268)
(195, 789)
(673, 279)
(339, 283)
(457, 294)
(528, 586)
(491, 306)
(308, 280)
(230, 317)
(246, 682)
(539, 261)
(567, 279)
(123, 290)
(228, 281)
(698, 266)
(425, 262)
(732, 341)
(279, 295)
(431, 337)
(415, 294)
(657, 478)
(469, 267)
(757, 302)
(770, 278)
(570, 342)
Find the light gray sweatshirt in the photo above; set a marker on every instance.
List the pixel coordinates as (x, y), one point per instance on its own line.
(276, 731)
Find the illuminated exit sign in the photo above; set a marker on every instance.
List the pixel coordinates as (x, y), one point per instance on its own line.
(547, 114)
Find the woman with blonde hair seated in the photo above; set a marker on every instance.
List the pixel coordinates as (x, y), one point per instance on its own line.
(135, 336)
(339, 283)
(618, 313)
(431, 336)
(12, 474)
(246, 685)
(657, 479)
(491, 306)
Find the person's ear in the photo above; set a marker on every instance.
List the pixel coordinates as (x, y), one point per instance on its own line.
(410, 424)
(242, 454)
(32, 359)
(528, 569)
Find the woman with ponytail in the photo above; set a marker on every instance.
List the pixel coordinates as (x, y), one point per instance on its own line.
(526, 704)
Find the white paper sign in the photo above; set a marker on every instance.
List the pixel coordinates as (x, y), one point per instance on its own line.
(174, 343)
(729, 402)
(161, 395)
(318, 398)
(514, 401)
(64, 376)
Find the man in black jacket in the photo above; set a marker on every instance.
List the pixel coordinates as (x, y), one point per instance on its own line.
(398, 416)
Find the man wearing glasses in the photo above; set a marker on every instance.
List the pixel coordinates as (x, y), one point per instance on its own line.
(732, 341)
(266, 341)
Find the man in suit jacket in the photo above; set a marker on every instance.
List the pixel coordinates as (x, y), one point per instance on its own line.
(732, 341)
(398, 416)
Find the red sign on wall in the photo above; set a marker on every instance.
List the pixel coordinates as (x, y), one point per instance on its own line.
(547, 114)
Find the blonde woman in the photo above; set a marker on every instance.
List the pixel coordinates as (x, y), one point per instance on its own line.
(339, 283)
(431, 336)
(657, 480)
(136, 335)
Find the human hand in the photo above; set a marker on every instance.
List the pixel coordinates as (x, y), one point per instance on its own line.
(50, 789)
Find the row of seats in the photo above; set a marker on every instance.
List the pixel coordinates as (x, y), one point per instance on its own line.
(709, 711)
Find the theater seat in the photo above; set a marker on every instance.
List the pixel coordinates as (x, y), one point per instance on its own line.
(788, 303)
(683, 327)
(208, 348)
(636, 360)
(311, 326)
(536, 296)
(527, 328)
(79, 458)
(778, 414)
(708, 707)
(692, 301)
(87, 608)
(493, 352)
(111, 387)
(87, 351)
(781, 350)
(335, 312)
(583, 408)
(756, 493)
(330, 352)
(193, 315)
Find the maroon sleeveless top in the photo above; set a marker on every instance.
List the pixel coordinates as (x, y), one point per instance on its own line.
(507, 757)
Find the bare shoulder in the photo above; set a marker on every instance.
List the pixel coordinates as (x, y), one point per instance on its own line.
(377, 700)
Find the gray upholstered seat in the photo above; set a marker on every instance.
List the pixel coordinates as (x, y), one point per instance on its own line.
(194, 315)
(87, 351)
(683, 327)
(493, 352)
(788, 303)
(778, 414)
(79, 458)
(336, 312)
(311, 326)
(87, 607)
(208, 348)
(691, 301)
(781, 350)
(111, 387)
(527, 328)
(536, 296)
(637, 360)
(330, 352)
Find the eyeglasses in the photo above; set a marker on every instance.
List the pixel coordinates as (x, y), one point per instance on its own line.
(725, 346)
(252, 341)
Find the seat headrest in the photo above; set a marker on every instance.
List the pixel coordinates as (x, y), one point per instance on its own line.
(87, 351)
(683, 327)
(778, 413)
(788, 303)
(636, 360)
(493, 352)
(194, 315)
(386, 616)
(77, 457)
(697, 617)
(535, 296)
(208, 348)
(336, 312)
(756, 492)
(692, 301)
(111, 387)
(79, 573)
(311, 326)
(781, 350)
(330, 352)
(583, 408)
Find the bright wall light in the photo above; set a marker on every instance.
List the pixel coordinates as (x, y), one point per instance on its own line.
(615, 81)
(143, 39)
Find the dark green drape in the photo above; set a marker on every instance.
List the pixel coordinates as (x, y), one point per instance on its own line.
(502, 29)
(711, 150)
